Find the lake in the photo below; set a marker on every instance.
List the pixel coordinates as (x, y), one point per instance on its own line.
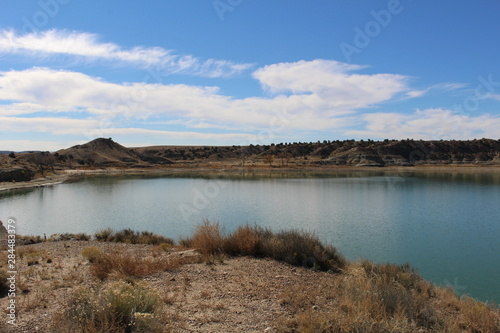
(447, 225)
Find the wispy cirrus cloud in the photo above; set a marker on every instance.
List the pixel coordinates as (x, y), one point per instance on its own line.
(446, 86)
(87, 47)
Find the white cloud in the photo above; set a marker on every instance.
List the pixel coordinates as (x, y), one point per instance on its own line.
(429, 124)
(87, 47)
(63, 91)
(27, 145)
(52, 125)
(332, 82)
(495, 97)
(307, 97)
(446, 86)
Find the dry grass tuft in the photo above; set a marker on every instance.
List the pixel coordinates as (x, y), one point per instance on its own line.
(298, 248)
(130, 236)
(124, 265)
(208, 238)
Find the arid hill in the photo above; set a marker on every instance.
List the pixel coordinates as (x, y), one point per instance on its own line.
(105, 152)
(347, 152)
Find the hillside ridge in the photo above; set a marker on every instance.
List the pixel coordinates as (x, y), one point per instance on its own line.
(106, 153)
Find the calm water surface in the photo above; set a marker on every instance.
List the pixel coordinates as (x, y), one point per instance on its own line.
(447, 225)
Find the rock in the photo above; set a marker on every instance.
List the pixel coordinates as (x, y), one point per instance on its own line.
(3, 231)
(16, 174)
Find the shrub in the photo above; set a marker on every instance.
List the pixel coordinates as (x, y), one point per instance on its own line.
(125, 265)
(208, 239)
(403, 275)
(103, 235)
(130, 236)
(245, 240)
(118, 307)
(92, 254)
(298, 248)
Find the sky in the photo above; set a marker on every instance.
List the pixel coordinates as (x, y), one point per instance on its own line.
(240, 72)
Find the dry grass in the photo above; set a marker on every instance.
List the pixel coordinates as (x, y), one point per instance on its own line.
(383, 298)
(298, 248)
(125, 265)
(130, 236)
(208, 238)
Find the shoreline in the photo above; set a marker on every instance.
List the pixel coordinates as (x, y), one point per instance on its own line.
(69, 175)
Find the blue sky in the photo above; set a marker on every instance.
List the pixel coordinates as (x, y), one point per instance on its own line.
(237, 72)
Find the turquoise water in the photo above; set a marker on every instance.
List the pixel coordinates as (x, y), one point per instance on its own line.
(447, 225)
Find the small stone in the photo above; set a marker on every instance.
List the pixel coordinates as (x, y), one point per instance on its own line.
(315, 307)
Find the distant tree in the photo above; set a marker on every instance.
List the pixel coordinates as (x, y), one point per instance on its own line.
(269, 159)
(12, 155)
(42, 161)
(285, 158)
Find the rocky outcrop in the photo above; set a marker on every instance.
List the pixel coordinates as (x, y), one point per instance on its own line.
(3, 231)
(16, 174)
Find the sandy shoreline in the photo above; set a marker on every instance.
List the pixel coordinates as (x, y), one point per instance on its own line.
(62, 176)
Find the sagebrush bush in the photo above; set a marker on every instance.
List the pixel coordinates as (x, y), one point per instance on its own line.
(118, 307)
(92, 254)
